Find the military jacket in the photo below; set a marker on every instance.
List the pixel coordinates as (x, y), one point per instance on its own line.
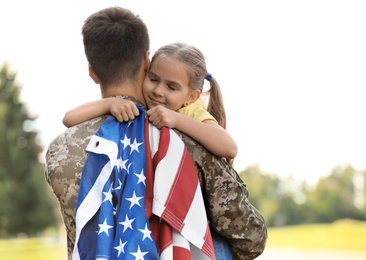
(229, 211)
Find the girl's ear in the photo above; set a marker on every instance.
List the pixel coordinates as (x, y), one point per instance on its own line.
(93, 75)
(193, 96)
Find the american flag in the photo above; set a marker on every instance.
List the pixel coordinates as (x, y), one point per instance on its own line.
(177, 198)
(118, 199)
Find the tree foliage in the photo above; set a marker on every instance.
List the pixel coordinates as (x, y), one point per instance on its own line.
(334, 196)
(24, 198)
(288, 201)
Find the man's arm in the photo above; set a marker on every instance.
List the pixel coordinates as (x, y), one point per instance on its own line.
(229, 211)
(65, 159)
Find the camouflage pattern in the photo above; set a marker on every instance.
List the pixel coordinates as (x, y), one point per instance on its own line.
(65, 159)
(226, 197)
(229, 211)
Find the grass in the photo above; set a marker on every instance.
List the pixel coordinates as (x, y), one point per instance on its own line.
(343, 235)
(51, 246)
(31, 249)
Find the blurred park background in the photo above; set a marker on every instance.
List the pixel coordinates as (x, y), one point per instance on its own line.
(329, 214)
(292, 75)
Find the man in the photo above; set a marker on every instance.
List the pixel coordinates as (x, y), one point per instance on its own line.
(116, 45)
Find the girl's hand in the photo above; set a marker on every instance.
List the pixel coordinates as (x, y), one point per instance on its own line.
(161, 116)
(123, 110)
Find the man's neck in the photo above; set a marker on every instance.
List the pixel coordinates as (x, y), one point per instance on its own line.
(123, 90)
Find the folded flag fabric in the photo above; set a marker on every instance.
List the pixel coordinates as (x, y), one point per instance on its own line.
(111, 222)
(184, 232)
(114, 206)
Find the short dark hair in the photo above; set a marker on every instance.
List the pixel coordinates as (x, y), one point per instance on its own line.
(115, 42)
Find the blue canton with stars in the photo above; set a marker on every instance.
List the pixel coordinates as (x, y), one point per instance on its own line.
(120, 228)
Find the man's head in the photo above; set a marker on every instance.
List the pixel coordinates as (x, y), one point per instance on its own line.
(115, 42)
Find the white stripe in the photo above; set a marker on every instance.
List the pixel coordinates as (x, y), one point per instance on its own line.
(166, 172)
(167, 254)
(197, 254)
(100, 145)
(154, 138)
(91, 203)
(179, 240)
(195, 223)
(93, 199)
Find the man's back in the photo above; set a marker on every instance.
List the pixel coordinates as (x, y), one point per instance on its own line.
(228, 208)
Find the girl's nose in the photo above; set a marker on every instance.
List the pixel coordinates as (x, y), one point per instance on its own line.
(158, 90)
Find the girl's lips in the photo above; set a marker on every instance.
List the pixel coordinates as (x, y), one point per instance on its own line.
(156, 102)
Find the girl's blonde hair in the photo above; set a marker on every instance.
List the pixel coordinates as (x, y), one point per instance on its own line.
(197, 72)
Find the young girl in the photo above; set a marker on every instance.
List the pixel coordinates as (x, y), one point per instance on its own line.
(171, 90)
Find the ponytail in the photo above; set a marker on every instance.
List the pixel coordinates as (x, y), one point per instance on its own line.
(215, 102)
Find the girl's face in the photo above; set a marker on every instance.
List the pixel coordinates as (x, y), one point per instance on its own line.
(166, 84)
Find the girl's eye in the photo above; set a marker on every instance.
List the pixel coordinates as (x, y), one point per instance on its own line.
(172, 87)
(153, 79)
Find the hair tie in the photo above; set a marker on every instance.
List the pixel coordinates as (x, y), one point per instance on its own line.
(208, 77)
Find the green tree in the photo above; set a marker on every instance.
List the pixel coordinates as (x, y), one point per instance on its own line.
(24, 198)
(362, 198)
(278, 200)
(286, 201)
(334, 196)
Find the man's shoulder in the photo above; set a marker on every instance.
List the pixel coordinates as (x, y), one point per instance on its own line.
(200, 155)
(185, 138)
(82, 130)
(76, 137)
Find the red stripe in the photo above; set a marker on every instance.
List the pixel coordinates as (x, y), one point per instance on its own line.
(207, 247)
(163, 146)
(183, 184)
(178, 202)
(166, 235)
(181, 253)
(154, 220)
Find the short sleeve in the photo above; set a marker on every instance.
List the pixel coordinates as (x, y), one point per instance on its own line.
(197, 111)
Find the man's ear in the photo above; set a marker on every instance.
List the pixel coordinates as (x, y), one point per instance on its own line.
(93, 75)
(147, 61)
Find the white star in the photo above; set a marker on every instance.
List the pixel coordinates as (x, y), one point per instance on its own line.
(139, 255)
(134, 200)
(128, 168)
(120, 247)
(104, 227)
(141, 177)
(146, 233)
(121, 164)
(127, 223)
(126, 142)
(108, 196)
(135, 146)
(120, 185)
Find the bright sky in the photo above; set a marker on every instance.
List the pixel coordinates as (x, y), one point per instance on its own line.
(293, 73)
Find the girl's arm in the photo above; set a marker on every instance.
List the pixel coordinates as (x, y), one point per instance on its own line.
(208, 133)
(121, 109)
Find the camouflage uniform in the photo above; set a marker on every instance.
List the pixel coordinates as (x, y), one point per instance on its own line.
(226, 197)
(229, 211)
